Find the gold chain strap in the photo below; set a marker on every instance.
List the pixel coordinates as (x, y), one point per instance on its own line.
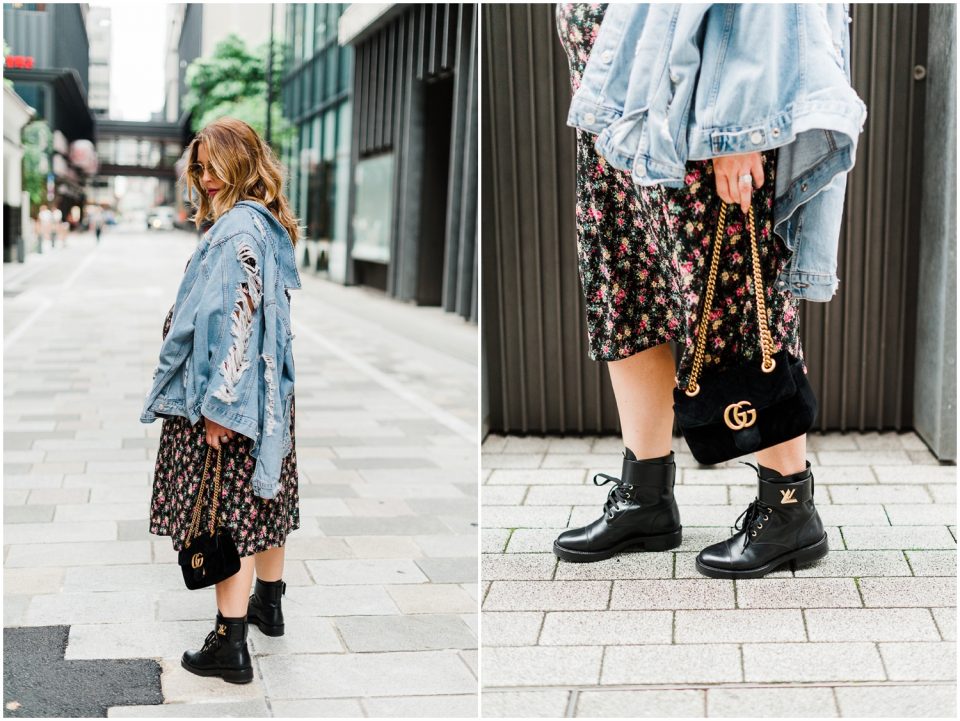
(766, 340)
(198, 506)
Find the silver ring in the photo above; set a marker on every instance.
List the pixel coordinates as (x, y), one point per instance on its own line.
(224, 439)
(746, 178)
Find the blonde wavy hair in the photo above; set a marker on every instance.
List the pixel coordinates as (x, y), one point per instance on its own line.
(248, 169)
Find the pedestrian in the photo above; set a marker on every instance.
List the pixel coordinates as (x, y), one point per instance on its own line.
(98, 223)
(44, 226)
(56, 230)
(225, 387)
(686, 108)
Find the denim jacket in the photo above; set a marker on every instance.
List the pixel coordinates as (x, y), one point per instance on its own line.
(223, 360)
(668, 83)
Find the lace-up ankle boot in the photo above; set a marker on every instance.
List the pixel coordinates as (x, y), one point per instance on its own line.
(640, 514)
(780, 527)
(263, 608)
(224, 652)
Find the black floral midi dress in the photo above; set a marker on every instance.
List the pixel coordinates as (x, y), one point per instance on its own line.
(644, 252)
(255, 523)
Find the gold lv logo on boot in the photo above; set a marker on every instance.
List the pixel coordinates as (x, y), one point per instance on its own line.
(788, 496)
(222, 630)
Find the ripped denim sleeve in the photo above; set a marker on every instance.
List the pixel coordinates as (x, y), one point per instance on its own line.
(241, 327)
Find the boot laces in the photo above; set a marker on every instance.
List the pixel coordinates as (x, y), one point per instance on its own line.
(752, 519)
(618, 494)
(212, 641)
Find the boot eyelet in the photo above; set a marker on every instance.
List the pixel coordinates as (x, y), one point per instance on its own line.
(753, 533)
(759, 526)
(766, 518)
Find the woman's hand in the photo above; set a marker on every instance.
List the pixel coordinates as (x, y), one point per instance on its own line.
(217, 434)
(727, 171)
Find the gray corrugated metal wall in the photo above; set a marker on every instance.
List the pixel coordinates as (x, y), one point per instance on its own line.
(858, 346)
(395, 69)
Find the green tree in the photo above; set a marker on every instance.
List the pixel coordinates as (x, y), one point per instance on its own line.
(37, 146)
(233, 81)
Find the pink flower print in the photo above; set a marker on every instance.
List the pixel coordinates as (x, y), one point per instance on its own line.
(595, 214)
(620, 221)
(673, 324)
(652, 248)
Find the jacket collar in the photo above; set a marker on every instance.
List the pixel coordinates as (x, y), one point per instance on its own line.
(286, 259)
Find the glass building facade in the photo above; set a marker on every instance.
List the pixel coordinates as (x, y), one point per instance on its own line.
(317, 101)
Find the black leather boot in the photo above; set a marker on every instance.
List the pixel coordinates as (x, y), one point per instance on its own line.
(640, 514)
(224, 653)
(780, 527)
(264, 610)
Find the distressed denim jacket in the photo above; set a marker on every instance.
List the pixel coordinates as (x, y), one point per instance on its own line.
(668, 83)
(220, 358)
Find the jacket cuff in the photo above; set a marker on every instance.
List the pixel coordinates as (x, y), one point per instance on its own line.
(218, 412)
(266, 475)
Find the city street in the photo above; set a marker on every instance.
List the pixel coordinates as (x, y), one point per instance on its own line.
(868, 631)
(381, 600)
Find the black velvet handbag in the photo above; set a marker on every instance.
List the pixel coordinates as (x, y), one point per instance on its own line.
(210, 556)
(744, 408)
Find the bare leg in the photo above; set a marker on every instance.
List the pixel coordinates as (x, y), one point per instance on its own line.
(643, 385)
(234, 592)
(270, 564)
(786, 458)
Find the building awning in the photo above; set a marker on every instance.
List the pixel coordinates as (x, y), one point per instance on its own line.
(70, 115)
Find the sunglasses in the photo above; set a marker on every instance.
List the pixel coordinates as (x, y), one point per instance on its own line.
(198, 168)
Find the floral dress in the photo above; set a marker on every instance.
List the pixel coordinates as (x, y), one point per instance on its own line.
(644, 252)
(255, 523)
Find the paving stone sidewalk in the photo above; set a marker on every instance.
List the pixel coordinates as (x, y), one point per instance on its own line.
(868, 631)
(382, 589)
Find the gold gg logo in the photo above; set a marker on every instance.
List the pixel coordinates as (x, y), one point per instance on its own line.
(197, 560)
(737, 419)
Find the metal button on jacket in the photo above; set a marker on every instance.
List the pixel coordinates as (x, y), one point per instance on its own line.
(757, 137)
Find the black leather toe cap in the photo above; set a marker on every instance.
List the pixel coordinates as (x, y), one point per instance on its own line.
(576, 539)
(719, 555)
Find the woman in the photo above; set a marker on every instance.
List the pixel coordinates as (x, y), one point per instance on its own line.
(225, 382)
(644, 259)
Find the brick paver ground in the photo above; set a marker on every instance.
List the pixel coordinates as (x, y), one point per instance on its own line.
(382, 592)
(869, 631)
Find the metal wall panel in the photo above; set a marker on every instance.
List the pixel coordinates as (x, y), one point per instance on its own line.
(537, 370)
(396, 65)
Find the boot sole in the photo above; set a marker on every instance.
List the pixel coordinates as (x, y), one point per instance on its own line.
(244, 675)
(265, 628)
(807, 554)
(663, 542)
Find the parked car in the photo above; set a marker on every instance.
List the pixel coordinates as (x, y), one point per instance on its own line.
(161, 218)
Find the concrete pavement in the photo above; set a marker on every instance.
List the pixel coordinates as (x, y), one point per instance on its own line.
(381, 598)
(870, 631)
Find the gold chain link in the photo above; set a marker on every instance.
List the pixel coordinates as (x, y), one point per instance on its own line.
(198, 506)
(766, 340)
